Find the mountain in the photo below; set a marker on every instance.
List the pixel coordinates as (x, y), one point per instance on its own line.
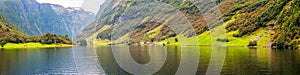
(247, 22)
(37, 19)
(272, 22)
(12, 34)
(122, 14)
(76, 18)
(9, 32)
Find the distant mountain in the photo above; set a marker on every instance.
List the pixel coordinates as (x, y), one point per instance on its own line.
(36, 19)
(75, 18)
(247, 22)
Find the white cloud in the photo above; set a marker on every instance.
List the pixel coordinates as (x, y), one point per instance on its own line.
(92, 5)
(88, 5)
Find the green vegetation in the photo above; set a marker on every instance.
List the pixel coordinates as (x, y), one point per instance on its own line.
(289, 29)
(11, 37)
(223, 39)
(34, 45)
(247, 23)
(280, 16)
(252, 43)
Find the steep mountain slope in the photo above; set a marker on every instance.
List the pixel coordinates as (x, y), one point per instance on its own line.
(254, 22)
(36, 19)
(269, 21)
(7, 30)
(115, 15)
(11, 34)
(75, 18)
(288, 25)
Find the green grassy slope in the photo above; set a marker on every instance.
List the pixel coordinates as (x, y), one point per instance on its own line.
(255, 22)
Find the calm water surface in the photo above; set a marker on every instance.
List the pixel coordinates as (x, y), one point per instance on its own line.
(101, 60)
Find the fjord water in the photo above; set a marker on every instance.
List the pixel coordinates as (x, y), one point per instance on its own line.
(100, 60)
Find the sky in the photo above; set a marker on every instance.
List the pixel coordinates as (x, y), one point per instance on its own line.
(88, 5)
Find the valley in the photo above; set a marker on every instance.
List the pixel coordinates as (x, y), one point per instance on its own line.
(150, 37)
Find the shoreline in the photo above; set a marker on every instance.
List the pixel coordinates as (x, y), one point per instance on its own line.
(209, 45)
(34, 45)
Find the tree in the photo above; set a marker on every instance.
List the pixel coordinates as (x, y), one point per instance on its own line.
(176, 40)
(280, 42)
(252, 43)
(2, 43)
(152, 39)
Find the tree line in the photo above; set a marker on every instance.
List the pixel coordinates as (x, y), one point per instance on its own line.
(44, 39)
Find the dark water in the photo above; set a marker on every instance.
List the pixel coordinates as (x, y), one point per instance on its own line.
(101, 60)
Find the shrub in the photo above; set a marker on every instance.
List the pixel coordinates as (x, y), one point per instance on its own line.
(223, 39)
(280, 42)
(252, 43)
(176, 40)
(294, 45)
(2, 43)
(237, 35)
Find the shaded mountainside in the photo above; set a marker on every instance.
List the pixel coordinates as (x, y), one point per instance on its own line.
(37, 19)
(248, 22)
(11, 34)
(76, 18)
